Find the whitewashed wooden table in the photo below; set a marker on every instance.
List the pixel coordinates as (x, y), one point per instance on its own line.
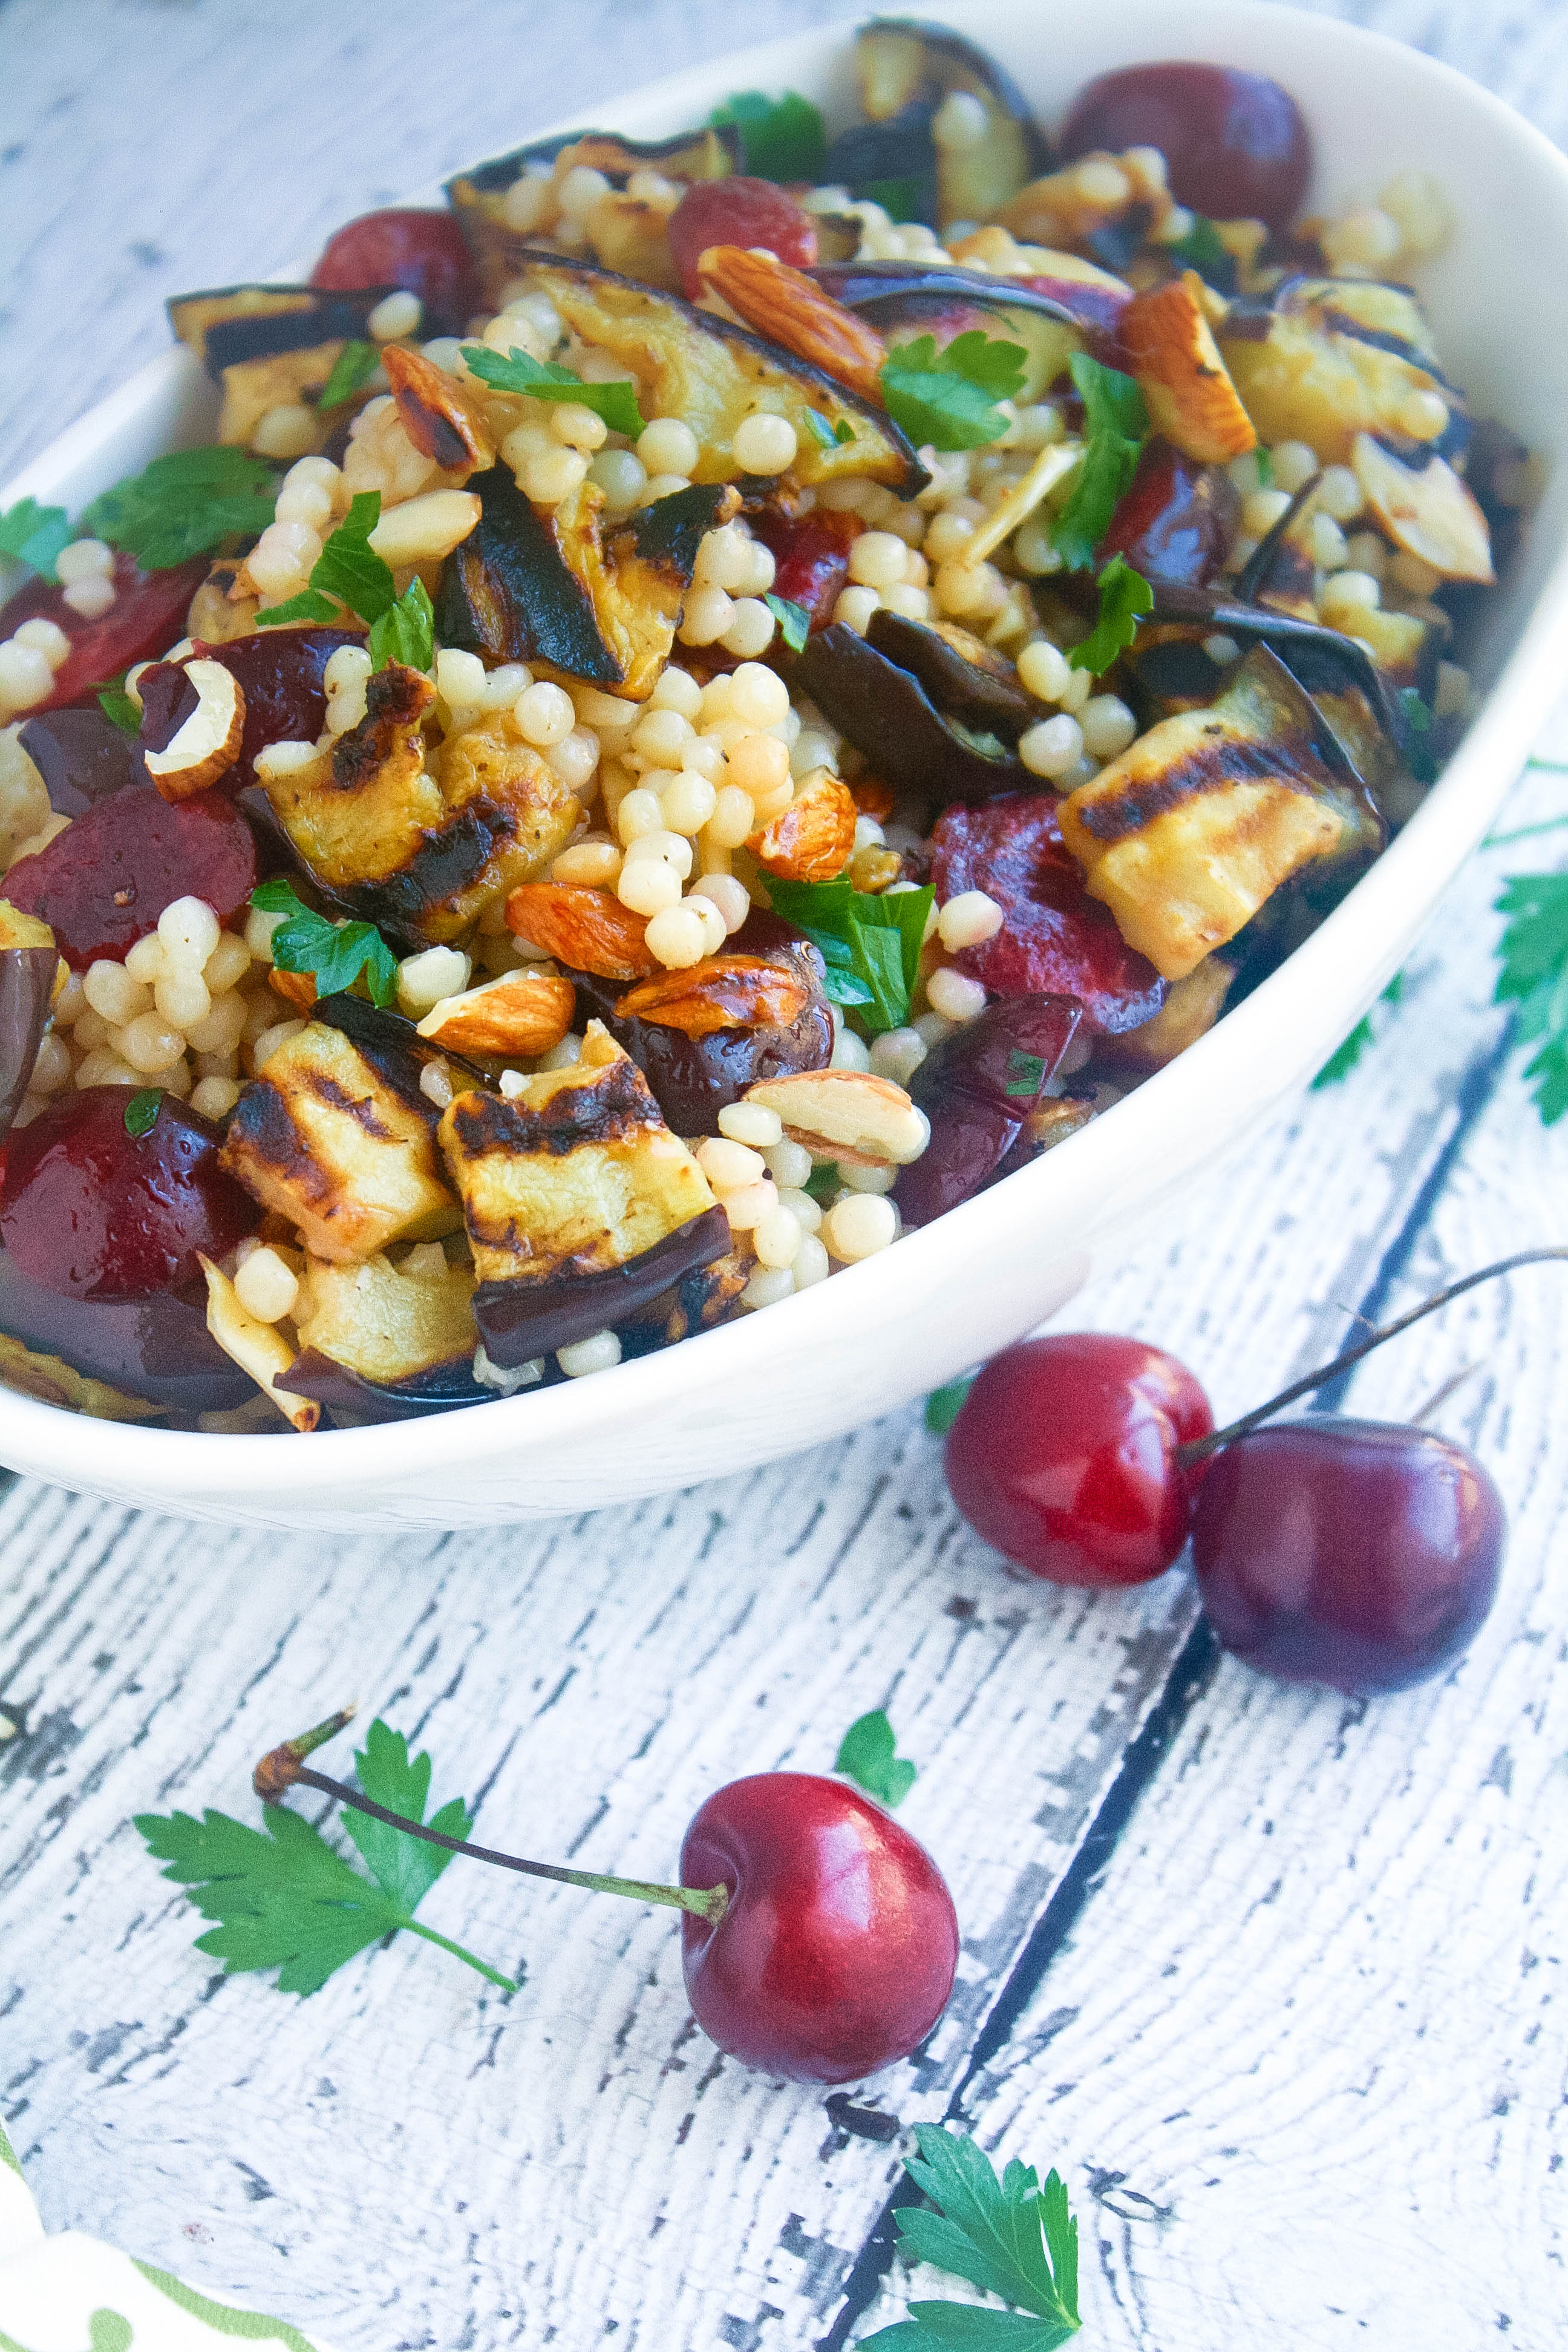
(1272, 1977)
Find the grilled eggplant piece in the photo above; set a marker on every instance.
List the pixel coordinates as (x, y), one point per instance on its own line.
(381, 1341)
(903, 300)
(887, 713)
(965, 678)
(27, 977)
(905, 69)
(1331, 358)
(1319, 656)
(690, 364)
(1191, 828)
(556, 589)
(1055, 211)
(580, 1204)
(342, 1145)
(479, 197)
(81, 756)
(157, 1349)
(52, 1381)
(427, 850)
(1191, 1008)
(270, 346)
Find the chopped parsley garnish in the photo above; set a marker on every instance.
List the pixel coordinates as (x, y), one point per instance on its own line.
(947, 399)
(871, 945)
(284, 1899)
(906, 198)
(34, 535)
(185, 504)
(1026, 1074)
(1419, 756)
(1115, 425)
(1534, 957)
(349, 573)
(793, 620)
(117, 706)
(1204, 249)
(866, 1755)
(544, 380)
(944, 1405)
(781, 138)
(836, 435)
(335, 953)
(142, 1111)
(1125, 594)
(1014, 2237)
(1264, 461)
(354, 363)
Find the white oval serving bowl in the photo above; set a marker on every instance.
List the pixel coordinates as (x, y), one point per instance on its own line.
(902, 1323)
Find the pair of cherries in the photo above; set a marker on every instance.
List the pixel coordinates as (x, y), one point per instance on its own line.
(1358, 1554)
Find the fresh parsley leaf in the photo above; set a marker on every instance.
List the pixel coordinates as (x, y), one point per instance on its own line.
(1026, 1074)
(1533, 958)
(544, 380)
(354, 363)
(142, 1111)
(948, 398)
(820, 429)
(1014, 2237)
(1264, 461)
(183, 504)
(336, 954)
(349, 572)
(824, 1181)
(1115, 424)
(1418, 720)
(781, 138)
(405, 631)
(944, 1405)
(793, 620)
(310, 605)
(118, 707)
(844, 432)
(1204, 249)
(284, 1899)
(34, 535)
(871, 945)
(906, 198)
(1344, 1059)
(866, 1756)
(1125, 594)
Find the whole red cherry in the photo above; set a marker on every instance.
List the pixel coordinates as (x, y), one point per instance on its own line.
(1063, 1455)
(737, 211)
(94, 1212)
(1356, 1553)
(1235, 147)
(423, 252)
(837, 1951)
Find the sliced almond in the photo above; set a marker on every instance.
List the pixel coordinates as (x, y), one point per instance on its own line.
(1185, 382)
(207, 744)
(520, 1014)
(296, 988)
(846, 1115)
(588, 929)
(721, 992)
(793, 309)
(441, 416)
(425, 530)
(1426, 510)
(814, 838)
(257, 1348)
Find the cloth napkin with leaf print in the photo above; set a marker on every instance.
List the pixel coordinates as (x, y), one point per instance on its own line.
(69, 2293)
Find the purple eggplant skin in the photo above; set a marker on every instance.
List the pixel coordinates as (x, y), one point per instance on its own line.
(441, 1388)
(27, 985)
(82, 756)
(888, 715)
(976, 1088)
(521, 1320)
(694, 1078)
(157, 1348)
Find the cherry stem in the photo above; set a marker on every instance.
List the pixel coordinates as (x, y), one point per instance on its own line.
(284, 1767)
(1198, 1449)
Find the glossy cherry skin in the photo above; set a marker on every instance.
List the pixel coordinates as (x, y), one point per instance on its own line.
(1235, 145)
(91, 1211)
(1354, 1553)
(1064, 1457)
(837, 1952)
(737, 211)
(148, 615)
(423, 252)
(102, 884)
(1176, 521)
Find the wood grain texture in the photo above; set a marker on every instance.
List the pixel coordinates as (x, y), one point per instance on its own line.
(1297, 2053)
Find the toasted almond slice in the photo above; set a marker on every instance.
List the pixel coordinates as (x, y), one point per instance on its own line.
(442, 418)
(1426, 510)
(814, 838)
(846, 1115)
(588, 929)
(521, 1013)
(1020, 502)
(296, 988)
(1186, 382)
(208, 743)
(425, 529)
(791, 309)
(721, 992)
(257, 1348)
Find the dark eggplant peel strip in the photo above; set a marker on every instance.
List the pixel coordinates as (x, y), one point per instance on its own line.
(270, 346)
(888, 715)
(26, 986)
(906, 69)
